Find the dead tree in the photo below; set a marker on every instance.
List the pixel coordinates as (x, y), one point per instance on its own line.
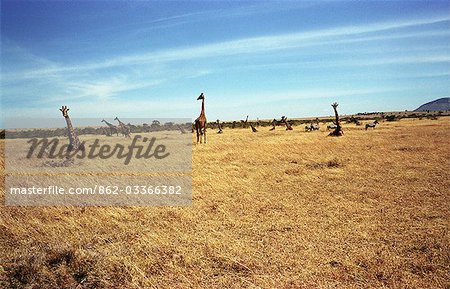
(284, 120)
(244, 122)
(338, 130)
(274, 123)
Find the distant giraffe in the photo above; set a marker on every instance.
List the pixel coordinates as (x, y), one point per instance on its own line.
(253, 128)
(123, 128)
(106, 131)
(219, 126)
(274, 123)
(244, 122)
(74, 142)
(200, 122)
(112, 128)
(288, 125)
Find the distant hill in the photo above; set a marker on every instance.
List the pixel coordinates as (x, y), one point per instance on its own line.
(435, 105)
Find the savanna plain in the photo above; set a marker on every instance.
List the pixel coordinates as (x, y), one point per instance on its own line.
(272, 209)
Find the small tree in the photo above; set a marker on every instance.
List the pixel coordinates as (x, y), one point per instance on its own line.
(156, 125)
(338, 131)
(145, 127)
(391, 117)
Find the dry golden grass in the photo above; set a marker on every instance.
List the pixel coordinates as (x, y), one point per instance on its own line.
(281, 209)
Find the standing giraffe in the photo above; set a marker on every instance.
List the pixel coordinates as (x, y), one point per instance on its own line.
(200, 122)
(124, 128)
(338, 130)
(105, 131)
(112, 128)
(74, 142)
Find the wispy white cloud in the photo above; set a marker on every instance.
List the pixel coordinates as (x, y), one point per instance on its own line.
(203, 16)
(252, 45)
(220, 101)
(357, 62)
(102, 89)
(97, 84)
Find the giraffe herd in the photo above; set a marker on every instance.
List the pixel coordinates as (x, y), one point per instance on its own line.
(124, 129)
(200, 125)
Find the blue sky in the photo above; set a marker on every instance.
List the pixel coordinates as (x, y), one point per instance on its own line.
(263, 59)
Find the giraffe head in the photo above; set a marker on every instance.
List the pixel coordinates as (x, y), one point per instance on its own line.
(103, 120)
(201, 96)
(116, 118)
(334, 105)
(65, 111)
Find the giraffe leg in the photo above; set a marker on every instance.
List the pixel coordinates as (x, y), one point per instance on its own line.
(204, 134)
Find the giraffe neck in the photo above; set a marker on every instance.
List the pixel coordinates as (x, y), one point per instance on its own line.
(203, 107)
(120, 123)
(73, 139)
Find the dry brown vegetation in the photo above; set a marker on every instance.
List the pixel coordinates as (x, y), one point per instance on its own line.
(273, 209)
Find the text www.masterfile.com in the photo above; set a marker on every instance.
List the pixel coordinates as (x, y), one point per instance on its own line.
(98, 190)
